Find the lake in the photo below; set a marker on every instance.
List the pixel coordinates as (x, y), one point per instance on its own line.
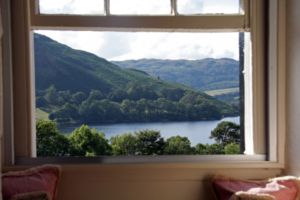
(196, 131)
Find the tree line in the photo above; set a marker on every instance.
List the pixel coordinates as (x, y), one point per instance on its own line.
(232, 99)
(134, 104)
(88, 142)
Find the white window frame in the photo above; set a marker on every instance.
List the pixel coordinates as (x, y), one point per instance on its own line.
(20, 135)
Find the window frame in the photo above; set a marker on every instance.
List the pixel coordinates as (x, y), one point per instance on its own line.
(21, 151)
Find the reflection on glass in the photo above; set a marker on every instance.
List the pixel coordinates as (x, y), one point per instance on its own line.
(208, 6)
(75, 7)
(140, 7)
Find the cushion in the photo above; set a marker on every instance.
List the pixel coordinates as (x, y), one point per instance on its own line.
(251, 196)
(44, 178)
(39, 195)
(286, 188)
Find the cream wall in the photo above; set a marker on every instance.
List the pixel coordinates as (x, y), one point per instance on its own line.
(186, 181)
(293, 88)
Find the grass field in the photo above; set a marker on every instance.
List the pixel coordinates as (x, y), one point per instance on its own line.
(41, 115)
(222, 91)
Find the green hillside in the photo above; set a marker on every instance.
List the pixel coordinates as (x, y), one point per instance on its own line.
(205, 74)
(76, 70)
(82, 86)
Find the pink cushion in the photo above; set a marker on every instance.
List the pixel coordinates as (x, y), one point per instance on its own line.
(44, 178)
(285, 188)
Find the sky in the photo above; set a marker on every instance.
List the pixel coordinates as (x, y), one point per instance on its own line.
(138, 45)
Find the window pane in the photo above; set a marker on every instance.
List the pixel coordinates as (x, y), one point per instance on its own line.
(75, 7)
(208, 6)
(140, 7)
(136, 86)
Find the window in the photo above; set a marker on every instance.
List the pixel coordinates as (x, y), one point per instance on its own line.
(146, 23)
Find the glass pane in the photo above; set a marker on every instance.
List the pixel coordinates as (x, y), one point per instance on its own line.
(208, 6)
(75, 7)
(140, 7)
(144, 93)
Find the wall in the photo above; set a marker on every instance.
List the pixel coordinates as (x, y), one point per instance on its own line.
(179, 181)
(293, 90)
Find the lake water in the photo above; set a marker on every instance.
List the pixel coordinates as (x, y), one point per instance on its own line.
(197, 132)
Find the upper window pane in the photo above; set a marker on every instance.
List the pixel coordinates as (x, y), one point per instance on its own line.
(140, 7)
(208, 6)
(75, 7)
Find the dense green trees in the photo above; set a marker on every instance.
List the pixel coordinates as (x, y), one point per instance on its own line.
(86, 142)
(232, 99)
(124, 145)
(226, 133)
(142, 103)
(177, 145)
(149, 142)
(49, 141)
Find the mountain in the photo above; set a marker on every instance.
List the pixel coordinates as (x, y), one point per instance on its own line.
(76, 70)
(205, 74)
(79, 71)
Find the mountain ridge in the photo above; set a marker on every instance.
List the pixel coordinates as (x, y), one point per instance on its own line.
(205, 74)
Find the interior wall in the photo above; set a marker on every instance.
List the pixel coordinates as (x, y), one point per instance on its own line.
(293, 90)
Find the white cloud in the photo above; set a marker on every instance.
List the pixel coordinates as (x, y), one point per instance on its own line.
(138, 45)
(71, 6)
(208, 6)
(140, 6)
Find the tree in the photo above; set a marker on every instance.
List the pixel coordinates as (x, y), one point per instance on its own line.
(118, 95)
(86, 142)
(214, 149)
(72, 110)
(78, 97)
(207, 149)
(96, 95)
(149, 142)
(124, 145)
(61, 115)
(177, 145)
(40, 102)
(51, 95)
(232, 148)
(226, 133)
(66, 95)
(49, 141)
(200, 149)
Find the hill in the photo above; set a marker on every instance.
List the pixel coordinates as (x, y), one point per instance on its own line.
(76, 70)
(59, 68)
(206, 74)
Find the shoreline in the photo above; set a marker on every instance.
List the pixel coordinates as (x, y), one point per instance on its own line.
(144, 121)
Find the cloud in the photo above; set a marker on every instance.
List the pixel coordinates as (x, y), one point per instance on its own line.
(114, 45)
(190, 7)
(71, 7)
(138, 45)
(140, 7)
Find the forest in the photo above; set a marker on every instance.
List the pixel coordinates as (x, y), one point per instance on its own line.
(232, 99)
(86, 142)
(134, 104)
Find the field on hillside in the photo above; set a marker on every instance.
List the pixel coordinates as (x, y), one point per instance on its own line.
(41, 115)
(222, 91)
